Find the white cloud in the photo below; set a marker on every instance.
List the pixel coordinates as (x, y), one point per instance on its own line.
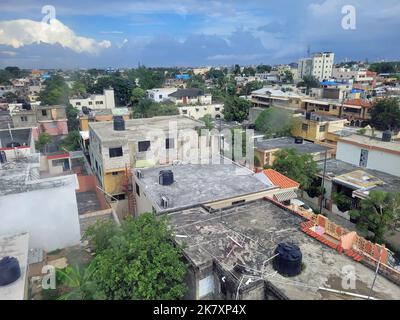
(8, 53)
(17, 33)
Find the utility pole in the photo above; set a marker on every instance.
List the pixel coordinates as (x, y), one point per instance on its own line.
(376, 274)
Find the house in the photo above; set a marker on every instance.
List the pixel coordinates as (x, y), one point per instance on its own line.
(199, 111)
(118, 145)
(15, 245)
(160, 94)
(271, 97)
(16, 143)
(95, 101)
(99, 115)
(46, 208)
(231, 254)
(317, 128)
(370, 153)
(215, 185)
(49, 119)
(190, 96)
(265, 149)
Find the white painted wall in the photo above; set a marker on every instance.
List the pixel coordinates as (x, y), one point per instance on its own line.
(49, 215)
(377, 160)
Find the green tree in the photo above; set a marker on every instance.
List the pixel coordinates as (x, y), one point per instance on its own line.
(299, 167)
(208, 121)
(10, 97)
(78, 89)
(274, 122)
(385, 67)
(71, 141)
(262, 68)
(137, 95)
(122, 88)
(385, 114)
(342, 201)
(251, 86)
(309, 82)
(139, 261)
(147, 108)
(43, 139)
(288, 76)
(236, 109)
(5, 77)
(55, 92)
(236, 70)
(80, 283)
(72, 117)
(379, 213)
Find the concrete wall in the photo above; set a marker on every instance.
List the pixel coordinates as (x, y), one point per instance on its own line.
(200, 111)
(377, 160)
(49, 215)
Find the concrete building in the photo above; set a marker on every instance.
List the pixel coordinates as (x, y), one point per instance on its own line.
(49, 119)
(320, 66)
(144, 142)
(46, 208)
(318, 128)
(215, 185)
(190, 96)
(16, 246)
(271, 97)
(265, 149)
(199, 111)
(17, 143)
(99, 115)
(95, 101)
(160, 94)
(230, 254)
(370, 153)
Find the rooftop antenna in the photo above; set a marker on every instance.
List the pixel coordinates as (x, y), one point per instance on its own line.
(308, 51)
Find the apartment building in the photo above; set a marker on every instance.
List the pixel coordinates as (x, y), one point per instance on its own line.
(99, 115)
(114, 146)
(95, 101)
(199, 111)
(320, 66)
(190, 96)
(49, 119)
(271, 97)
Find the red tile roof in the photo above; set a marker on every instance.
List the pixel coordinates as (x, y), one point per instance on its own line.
(280, 180)
(359, 103)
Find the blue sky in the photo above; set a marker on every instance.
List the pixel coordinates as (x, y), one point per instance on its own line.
(123, 33)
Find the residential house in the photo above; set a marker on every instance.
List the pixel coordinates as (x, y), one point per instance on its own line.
(160, 94)
(190, 96)
(199, 111)
(95, 101)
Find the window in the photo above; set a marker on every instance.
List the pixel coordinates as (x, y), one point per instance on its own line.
(363, 158)
(238, 202)
(144, 146)
(24, 118)
(184, 111)
(44, 113)
(322, 128)
(304, 127)
(90, 103)
(115, 152)
(160, 96)
(115, 173)
(78, 103)
(120, 196)
(137, 189)
(217, 109)
(169, 143)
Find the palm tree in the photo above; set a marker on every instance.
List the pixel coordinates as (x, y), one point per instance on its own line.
(80, 283)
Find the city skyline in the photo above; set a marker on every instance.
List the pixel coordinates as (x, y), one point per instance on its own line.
(192, 33)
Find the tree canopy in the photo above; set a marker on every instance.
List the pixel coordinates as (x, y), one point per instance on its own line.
(56, 91)
(274, 122)
(299, 167)
(385, 114)
(147, 108)
(236, 109)
(379, 213)
(137, 260)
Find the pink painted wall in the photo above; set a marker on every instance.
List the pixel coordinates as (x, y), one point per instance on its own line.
(55, 128)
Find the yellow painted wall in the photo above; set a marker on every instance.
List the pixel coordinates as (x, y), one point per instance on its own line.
(113, 183)
(84, 124)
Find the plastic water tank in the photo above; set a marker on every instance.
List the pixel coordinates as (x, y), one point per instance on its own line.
(166, 177)
(119, 123)
(288, 261)
(298, 140)
(13, 144)
(9, 270)
(387, 136)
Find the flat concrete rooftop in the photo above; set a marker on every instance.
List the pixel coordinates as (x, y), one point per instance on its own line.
(259, 227)
(23, 175)
(288, 142)
(371, 142)
(196, 184)
(138, 128)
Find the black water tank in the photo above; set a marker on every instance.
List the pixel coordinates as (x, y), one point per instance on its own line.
(26, 106)
(85, 110)
(288, 261)
(13, 144)
(3, 157)
(298, 140)
(166, 177)
(9, 270)
(387, 136)
(119, 123)
(308, 115)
